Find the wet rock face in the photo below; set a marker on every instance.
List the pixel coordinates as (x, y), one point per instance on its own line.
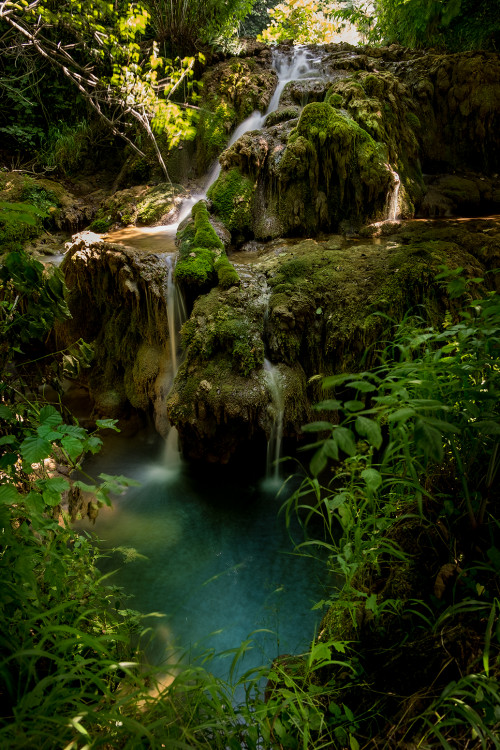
(307, 306)
(117, 298)
(369, 122)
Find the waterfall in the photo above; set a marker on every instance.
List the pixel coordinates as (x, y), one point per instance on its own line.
(275, 387)
(392, 203)
(299, 64)
(176, 314)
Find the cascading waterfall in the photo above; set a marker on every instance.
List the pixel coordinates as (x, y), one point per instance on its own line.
(275, 387)
(392, 203)
(176, 312)
(300, 64)
(177, 315)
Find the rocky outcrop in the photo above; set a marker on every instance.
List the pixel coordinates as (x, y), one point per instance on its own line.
(118, 301)
(365, 130)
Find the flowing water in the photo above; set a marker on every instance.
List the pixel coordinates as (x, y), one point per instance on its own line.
(211, 555)
(275, 387)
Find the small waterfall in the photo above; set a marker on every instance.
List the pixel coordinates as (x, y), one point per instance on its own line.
(176, 313)
(275, 387)
(289, 68)
(392, 203)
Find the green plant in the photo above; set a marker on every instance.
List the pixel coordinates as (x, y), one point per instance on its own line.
(410, 449)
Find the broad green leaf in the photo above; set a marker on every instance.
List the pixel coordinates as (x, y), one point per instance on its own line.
(50, 415)
(107, 424)
(34, 503)
(317, 426)
(354, 405)
(72, 446)
(8, 439)
(93, 444)
(333, 380)
(401, 415)
(487, 427)
(369, 429)
(6, 413)
(363, 386)
(372, 478)
(329, 404)
(35, 449)
(345, 440)
(428, 440)
(47, 432)
(318, 462)
(9, 494)
(331, 449)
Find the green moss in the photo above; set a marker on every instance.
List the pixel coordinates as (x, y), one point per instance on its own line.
(196, 269)
(226, 272)
(100, 225)
(413, 120)
(231, 196)
(218, 327)
(282, 115)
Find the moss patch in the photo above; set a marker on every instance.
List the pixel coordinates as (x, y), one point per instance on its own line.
(231, 196)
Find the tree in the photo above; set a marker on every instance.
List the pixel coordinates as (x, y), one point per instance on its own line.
(183, 25)
(304, 21)
(451, 24)
(99, 51)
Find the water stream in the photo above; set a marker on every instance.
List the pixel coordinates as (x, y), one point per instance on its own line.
(209, 554)
(275, 387)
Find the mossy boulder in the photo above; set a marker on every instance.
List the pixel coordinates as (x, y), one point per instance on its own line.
(231, 91)
(141, 205)
(202, 259)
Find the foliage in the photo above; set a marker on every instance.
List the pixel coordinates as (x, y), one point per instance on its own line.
(258, 18)
(181, 25)
(452, 24)
(303, 21)
(414, 443)
(96, 48)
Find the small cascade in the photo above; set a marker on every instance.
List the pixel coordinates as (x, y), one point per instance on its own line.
(177, 315)
(275, 387)
(392, 203)
(289, 68)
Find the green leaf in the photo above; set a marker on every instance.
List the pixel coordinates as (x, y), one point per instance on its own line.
(8, 439)
(47, 432)
(329, 404)
(34, 503)
(487, 427)
(345, 440)
(372, 478)
(369, 429)
(334, 380)
(331, 449)
(363, 385)
(9, 494)
(72, 446)
(428, 440)
(107, 424)
(35, 449)
(354, 405)
(318, 462)
(317, 426)
(50, 415)
(401, 415)
(6, 413)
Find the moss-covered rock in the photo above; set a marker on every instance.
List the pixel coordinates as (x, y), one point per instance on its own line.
(140, 205)
(202, 258)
